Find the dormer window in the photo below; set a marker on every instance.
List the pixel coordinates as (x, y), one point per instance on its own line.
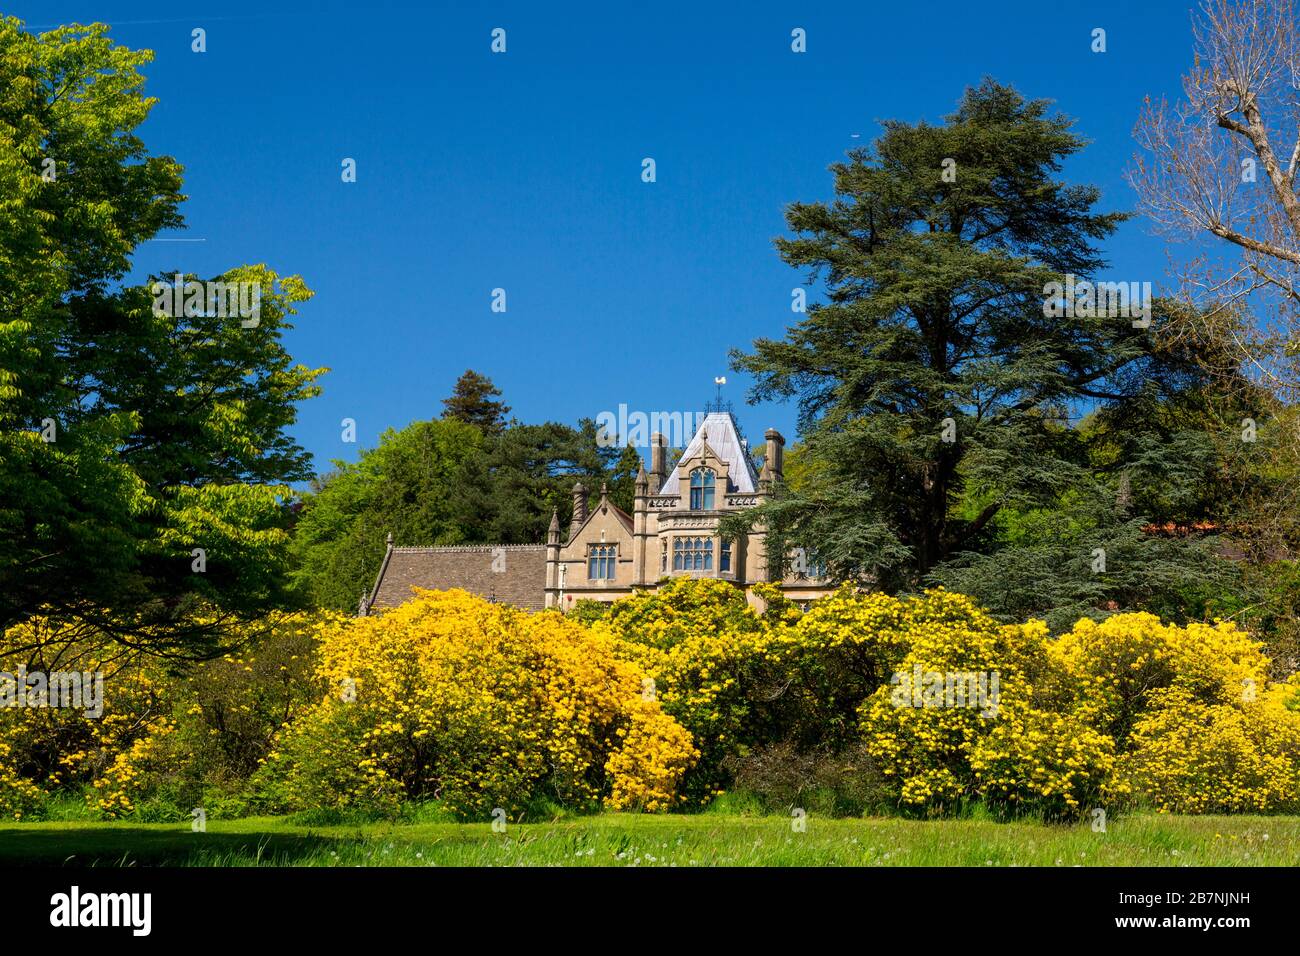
(702, 481)
(600, 562)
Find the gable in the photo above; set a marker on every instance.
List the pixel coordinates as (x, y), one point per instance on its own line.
(613, 521)
(609, 514)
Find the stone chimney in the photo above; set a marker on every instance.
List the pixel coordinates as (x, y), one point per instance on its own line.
(773, 464)
(579, 509)
(658, 462)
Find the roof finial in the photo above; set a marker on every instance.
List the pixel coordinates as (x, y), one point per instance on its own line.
(718, 405)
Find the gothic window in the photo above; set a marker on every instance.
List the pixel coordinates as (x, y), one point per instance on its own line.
(724, 556)
(600, 562)
(702, 490)
(692, 554)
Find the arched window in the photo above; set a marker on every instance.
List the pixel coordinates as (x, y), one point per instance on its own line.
(678, 554)
(724, 556)
(600, 562)
(701, 490)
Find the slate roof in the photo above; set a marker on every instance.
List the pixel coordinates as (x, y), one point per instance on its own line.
(719, 430)
(522, 582)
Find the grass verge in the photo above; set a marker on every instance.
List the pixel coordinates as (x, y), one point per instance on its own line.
(672, 840)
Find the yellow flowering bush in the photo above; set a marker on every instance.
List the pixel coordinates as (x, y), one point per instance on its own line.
(1124, 660)
(482, 706)
(833, 657)
(646, 772)
(710, 685)
(753, 687)
(704, 649)
(60, 748)
(1192, 757)
(660, 701)
(135, 772)
(974, 712)
(171, 736)
(1197, 723)
(680, 610)
(18, 796)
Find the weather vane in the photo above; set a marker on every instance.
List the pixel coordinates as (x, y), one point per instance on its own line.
(718, 406)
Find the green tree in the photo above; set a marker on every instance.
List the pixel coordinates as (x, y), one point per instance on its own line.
(622, 480)
(144, 458)
(472, 402)
(937, 379)
(1166, 491)
(437, 483)
(417, 484)
(531, 469)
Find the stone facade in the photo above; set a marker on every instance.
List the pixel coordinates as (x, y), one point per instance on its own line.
(608, 553)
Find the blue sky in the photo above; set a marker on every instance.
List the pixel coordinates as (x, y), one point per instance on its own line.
(522, 171)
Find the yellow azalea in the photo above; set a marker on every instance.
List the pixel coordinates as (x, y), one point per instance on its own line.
(484, 706)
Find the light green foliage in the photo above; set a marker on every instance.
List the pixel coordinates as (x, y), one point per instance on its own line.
(414, 484)
(168, 434)
(467, 478)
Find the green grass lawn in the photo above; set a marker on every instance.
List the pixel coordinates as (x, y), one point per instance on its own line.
(629, 840)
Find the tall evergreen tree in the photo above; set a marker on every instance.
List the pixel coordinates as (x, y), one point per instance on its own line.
(622, 479)
(472, 402)
(936, 381)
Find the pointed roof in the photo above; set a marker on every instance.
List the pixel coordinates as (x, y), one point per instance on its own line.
(719, 433)
(622, 516)
(619, 513)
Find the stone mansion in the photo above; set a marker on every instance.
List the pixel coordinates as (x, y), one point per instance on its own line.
(608, 553)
